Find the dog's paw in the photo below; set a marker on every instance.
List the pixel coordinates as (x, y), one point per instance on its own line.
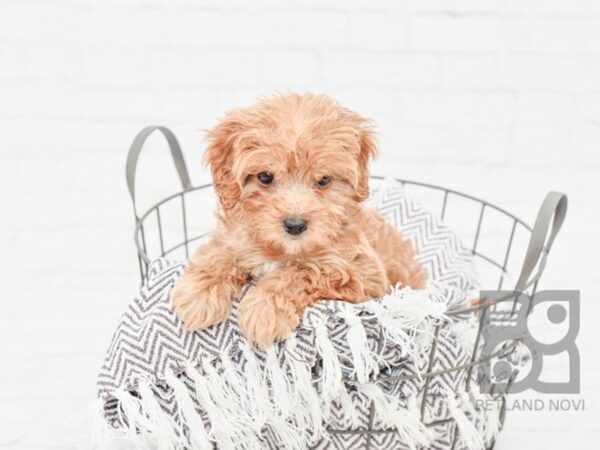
(263, 320)
(199, 304)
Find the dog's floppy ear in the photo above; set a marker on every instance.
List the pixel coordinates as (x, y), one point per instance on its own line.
(219, 156)
(368, 151)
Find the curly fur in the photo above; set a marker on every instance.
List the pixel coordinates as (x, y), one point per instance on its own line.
(348, 251)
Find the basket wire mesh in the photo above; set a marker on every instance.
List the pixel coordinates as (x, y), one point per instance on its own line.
(509, 260)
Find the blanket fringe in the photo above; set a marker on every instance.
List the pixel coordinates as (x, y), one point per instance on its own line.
(274, 394)
(468, 432)
(189, 416)
(491, 422)
(416, 310)
(351, 417)
(406, 420)
(255, 383)
(365, 362)
(136, 425)
(488, 414)
(408, 317)
(307, 410)
(88, 429)
(228, 399)
(237, 387)
(223, 427)
(331, 371)
(392, 331)
(163, 428)
(274, 415)
(280, 385)
(465, 333)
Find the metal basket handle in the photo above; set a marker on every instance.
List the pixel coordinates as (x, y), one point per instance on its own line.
(553, 206)
(134, 153)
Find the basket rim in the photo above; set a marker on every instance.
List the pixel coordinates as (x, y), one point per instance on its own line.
(447, 191)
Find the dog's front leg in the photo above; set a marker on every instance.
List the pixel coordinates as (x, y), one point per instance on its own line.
(202, 296)
(272, 309)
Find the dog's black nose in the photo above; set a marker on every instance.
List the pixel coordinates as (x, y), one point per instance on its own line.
(294, 226)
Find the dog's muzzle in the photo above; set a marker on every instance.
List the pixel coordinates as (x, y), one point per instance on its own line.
(295, 226)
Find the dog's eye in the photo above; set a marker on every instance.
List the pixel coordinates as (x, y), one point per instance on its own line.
(265, 177)
(324, 181)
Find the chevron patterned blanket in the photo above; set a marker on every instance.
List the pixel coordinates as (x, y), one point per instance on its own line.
(162, 387)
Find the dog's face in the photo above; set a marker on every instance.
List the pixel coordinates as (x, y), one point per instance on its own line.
(291, 170)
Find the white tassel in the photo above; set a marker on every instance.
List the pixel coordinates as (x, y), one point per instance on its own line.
(231, 374)
(331, 376)
(406, 420)
(408, 318)
(491, 422)
(255, 379)
(222, 430)
(162, 426)
(280, 386)
(363, 359)
(227, 398)
(466, 404)
(488, 415)
(237, 384)
(465, 333)
(414, 308)
(101, 435)
(307, 410)
(392, 330)
(352, 420)
(411, 344)
(137, 425)
(239, 424)
(88, 429)
(468, 433)
(288, 432)
(189, 416)
(256, 385)
(288, 435)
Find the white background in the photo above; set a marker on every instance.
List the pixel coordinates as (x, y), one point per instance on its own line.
(498, 98)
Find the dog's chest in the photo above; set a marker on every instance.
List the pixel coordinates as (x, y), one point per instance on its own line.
(265, 268)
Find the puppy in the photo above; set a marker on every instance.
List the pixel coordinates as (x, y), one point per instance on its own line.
(291, 174)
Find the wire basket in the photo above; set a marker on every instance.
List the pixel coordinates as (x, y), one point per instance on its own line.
(506, 251)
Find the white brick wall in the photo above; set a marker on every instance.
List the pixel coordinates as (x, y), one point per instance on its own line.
(500, 98)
